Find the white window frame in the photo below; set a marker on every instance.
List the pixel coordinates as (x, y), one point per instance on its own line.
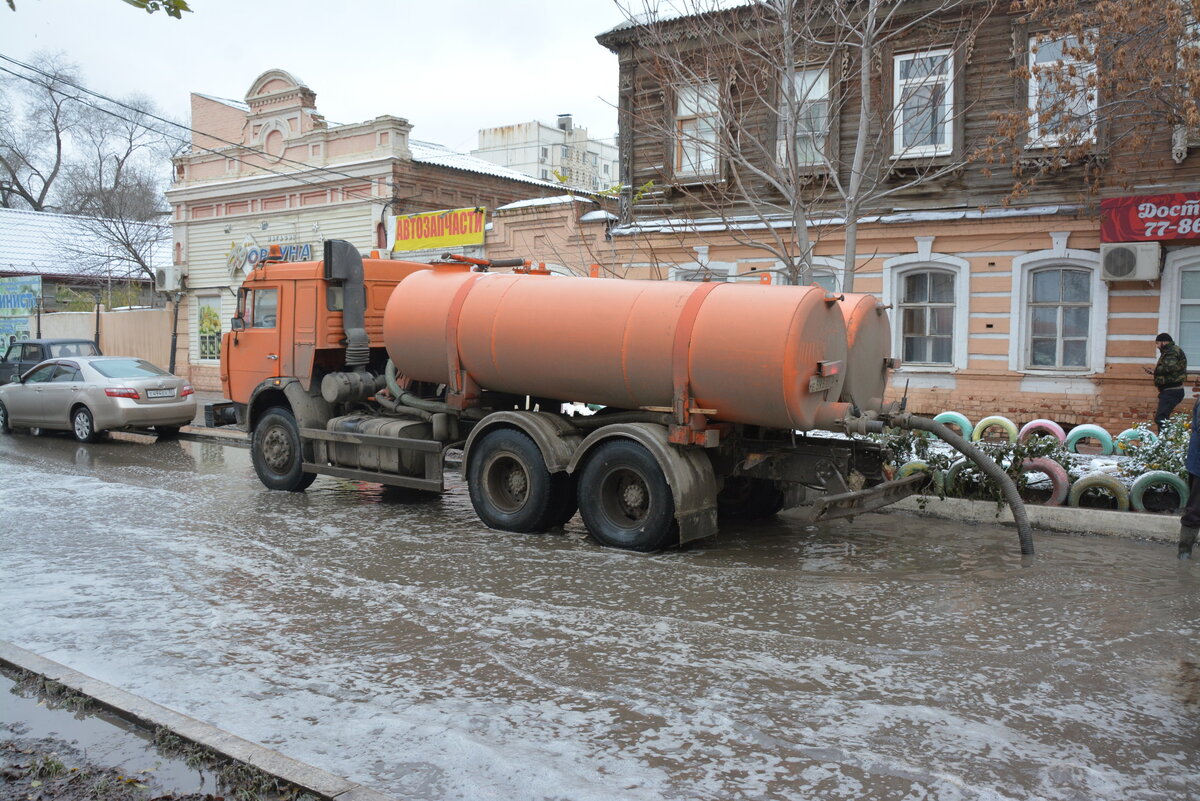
(1019, 315)
(1061, 305)
(694, 104)
(899, 149)
(1038, 139)
(894, 271)
(1171, 290)
(801, 101)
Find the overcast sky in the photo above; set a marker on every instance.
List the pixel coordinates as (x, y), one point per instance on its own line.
(450, 67)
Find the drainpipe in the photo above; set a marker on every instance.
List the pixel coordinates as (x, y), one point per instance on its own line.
(174, 330)
(97, 338)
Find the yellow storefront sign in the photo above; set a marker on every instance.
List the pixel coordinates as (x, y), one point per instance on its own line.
(431, 230)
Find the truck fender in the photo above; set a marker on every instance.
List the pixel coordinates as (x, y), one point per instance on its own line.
(310, 411)
(554, 437)
(688, 471)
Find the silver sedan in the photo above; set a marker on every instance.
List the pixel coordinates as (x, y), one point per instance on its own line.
(90, 395)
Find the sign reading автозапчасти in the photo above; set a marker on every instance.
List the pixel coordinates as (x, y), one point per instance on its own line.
(438, 229)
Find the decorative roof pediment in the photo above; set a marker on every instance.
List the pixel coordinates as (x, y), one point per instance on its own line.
(276, 89)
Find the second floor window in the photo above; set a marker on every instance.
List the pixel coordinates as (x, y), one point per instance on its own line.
(696, 126)
(923, 99)
(1060, 309)
(804, 114)
(927, 317)
(1062, 105)
(1189, 315)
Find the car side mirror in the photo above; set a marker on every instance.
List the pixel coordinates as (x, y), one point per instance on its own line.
(237, 324)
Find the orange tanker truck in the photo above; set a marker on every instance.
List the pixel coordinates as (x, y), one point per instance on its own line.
(371, 369)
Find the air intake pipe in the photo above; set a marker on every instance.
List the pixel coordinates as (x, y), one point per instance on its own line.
(343, 263)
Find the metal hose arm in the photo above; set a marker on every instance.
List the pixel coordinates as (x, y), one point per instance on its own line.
(987, 465)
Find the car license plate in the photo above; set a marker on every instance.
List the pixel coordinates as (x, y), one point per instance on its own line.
(160, 393)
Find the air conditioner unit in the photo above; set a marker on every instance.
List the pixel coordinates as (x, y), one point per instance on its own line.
(167, 279)
(1130, 261)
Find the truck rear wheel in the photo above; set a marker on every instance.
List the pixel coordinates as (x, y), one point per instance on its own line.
(276, 452)
(625, 499)
(510, 487)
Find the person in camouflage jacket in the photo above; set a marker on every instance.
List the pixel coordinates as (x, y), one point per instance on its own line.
(1169, 374)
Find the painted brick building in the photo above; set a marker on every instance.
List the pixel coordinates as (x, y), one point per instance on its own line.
(269, 171)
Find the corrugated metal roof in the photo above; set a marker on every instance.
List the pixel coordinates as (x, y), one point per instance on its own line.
(431, 153)
(40, 243)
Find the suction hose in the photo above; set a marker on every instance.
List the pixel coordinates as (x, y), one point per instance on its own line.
(409, 399)
(987, 465)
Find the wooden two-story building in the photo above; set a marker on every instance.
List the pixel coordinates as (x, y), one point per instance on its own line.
(952, 159)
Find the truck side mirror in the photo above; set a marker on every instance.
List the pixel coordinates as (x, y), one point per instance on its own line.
(237, 324)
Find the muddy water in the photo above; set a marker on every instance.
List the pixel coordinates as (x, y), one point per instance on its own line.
(406, 646)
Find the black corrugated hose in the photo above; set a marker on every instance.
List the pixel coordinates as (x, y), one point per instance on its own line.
(987, 465)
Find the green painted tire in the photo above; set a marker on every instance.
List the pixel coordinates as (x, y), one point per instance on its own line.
(1090, 431)
(908, 468)
(1142, 435)
(1099, 481)
(995, 421)
(1157, 478)
(950, 480)
(960, 420)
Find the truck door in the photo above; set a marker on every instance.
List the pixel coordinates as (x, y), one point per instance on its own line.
(255, 350)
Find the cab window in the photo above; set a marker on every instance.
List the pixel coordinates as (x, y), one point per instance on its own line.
(31, 353)
(261, 307)
(41, 375)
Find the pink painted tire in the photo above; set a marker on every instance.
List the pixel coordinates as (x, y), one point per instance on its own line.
(1060, 482)
(1040, 426)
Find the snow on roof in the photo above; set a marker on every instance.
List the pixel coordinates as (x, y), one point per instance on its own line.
(441, 156)
(598, 215)
(756, 223)
(239, 105)
(543, 201)
(41, 243)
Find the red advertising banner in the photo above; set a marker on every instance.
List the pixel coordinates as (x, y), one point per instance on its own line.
(1150, 218)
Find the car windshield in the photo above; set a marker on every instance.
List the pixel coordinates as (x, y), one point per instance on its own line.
(127, 368)
(73, 349)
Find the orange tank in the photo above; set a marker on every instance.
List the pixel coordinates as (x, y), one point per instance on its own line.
(750, 354)
(869, 346)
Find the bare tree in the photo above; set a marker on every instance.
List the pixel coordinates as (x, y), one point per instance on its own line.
(755, 95)
(1110, 82)
(37, 118)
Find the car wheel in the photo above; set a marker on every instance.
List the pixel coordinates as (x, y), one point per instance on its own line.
(624, 498)
(166, 432)
(276, 453)
(4, 429)
(83, 425)
(510, 487)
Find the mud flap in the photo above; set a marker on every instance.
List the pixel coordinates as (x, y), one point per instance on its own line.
(848, 504)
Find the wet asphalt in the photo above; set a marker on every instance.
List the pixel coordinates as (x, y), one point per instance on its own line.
(398, 642)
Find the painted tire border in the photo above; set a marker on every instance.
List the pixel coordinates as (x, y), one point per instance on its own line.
(1059, 480)
(993, 421)
(1103, 481)
(958, 419)
(1040, 425)
(1152, 479)
(1086, 430)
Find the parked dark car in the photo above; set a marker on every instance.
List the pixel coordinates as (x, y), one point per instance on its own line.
(25, 354)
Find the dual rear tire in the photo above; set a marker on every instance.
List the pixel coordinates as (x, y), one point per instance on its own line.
(622, 495)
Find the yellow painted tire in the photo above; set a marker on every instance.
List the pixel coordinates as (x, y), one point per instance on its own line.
(1099, 481)
(908, 468)
(995, 421)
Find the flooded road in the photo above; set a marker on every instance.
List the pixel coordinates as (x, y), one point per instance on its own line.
(411, 649)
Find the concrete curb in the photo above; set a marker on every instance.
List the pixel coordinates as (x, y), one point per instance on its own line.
(231, 435)
(150, 715)
(1106, 522)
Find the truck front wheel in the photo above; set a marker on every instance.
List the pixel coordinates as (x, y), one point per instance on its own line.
(276, 453)
(624, 498)
(510, 487)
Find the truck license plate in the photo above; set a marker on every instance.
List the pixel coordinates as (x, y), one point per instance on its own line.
(160, 393)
